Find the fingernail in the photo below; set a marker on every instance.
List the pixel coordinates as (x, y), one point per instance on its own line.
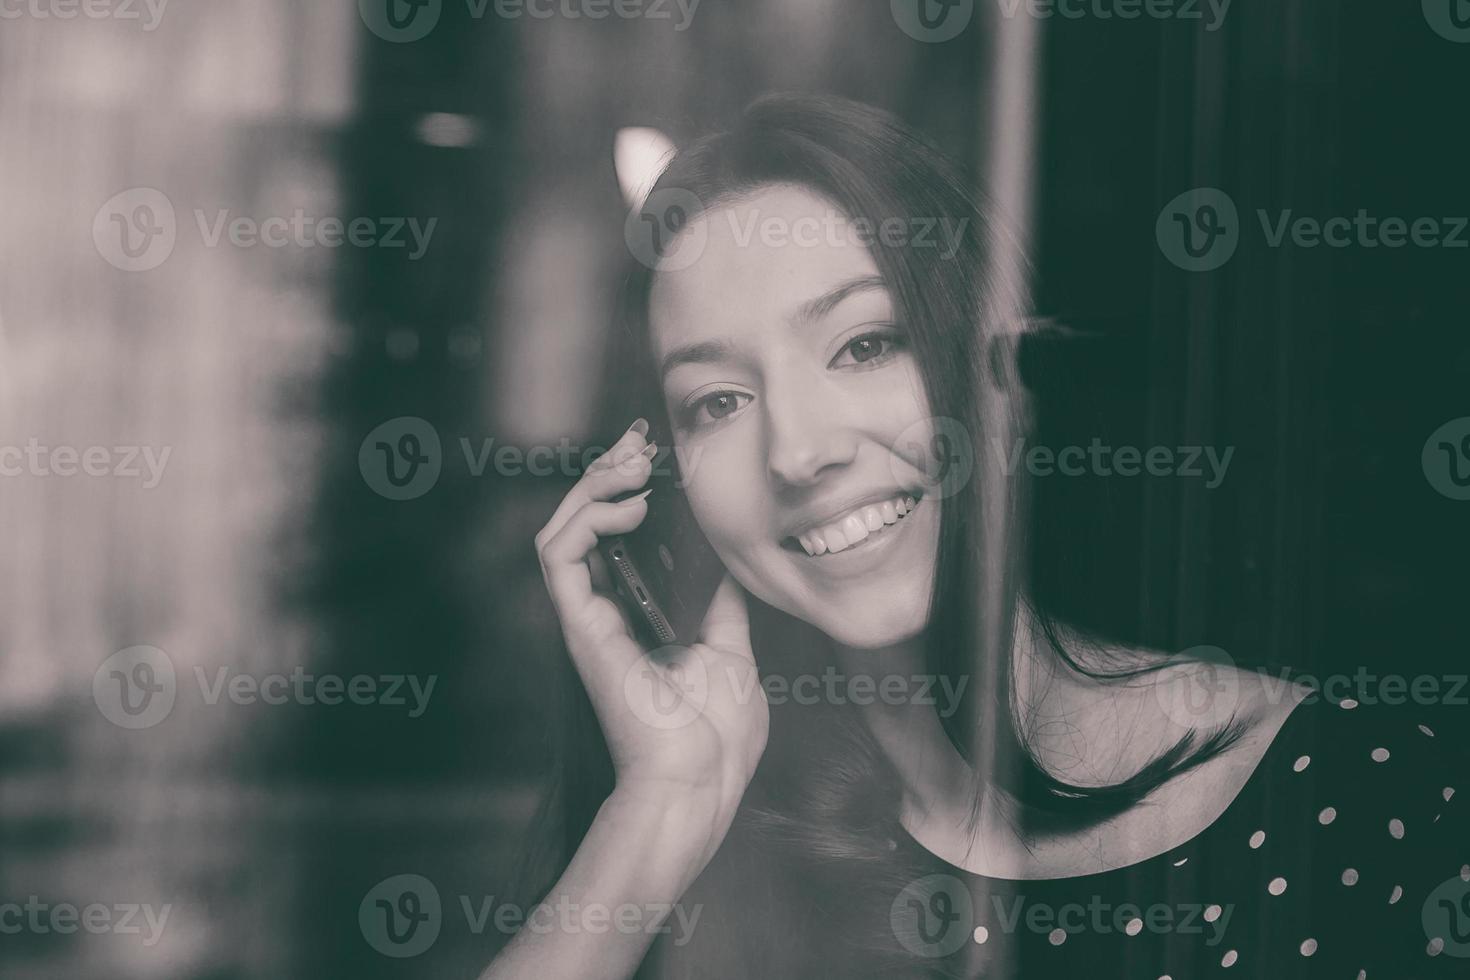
(638, 497)
(640, 427)
(650, 450)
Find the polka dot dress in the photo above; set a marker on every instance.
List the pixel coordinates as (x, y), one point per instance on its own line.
(1346, 855)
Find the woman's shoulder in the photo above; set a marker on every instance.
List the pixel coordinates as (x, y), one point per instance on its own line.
(1356, 808)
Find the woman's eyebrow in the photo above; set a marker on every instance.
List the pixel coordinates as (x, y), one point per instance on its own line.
(816, 309)
(714, 351)
(704, 352)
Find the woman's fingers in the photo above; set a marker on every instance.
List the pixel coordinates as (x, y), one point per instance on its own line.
(726, 623)
(564, 557)
(626, 466)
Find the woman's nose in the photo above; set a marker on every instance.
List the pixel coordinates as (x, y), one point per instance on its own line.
(807, 435)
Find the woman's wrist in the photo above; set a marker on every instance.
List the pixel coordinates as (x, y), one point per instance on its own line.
(684, 824)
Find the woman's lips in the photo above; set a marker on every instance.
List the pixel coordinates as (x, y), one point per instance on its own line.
(855, 526)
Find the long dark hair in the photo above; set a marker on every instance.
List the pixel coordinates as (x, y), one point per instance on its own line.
(825, 799)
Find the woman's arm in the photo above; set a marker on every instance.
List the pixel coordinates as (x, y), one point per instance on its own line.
(643, 850)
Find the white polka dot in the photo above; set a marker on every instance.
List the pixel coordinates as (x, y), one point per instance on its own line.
(1350, 876)
(1257, 839)
(1448, 792)
(1212, 913)
(1309, 947)
(1166, 977)
(1465, 872)
(1435, 947)
(1302, 763)
(1362, 975)
(981, 934)
(1277, 886)
(1395, 895)
(1057, 936)
(1380, 754)
(1349, 704)
(1229, 958)
(1134, 927)
(1328, 814)
(1396, 828)
(1426, 730)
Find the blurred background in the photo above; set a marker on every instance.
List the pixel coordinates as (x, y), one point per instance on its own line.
(194, 381)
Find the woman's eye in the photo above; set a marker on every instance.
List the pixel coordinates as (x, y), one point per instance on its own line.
(715, 407)
(866, 349)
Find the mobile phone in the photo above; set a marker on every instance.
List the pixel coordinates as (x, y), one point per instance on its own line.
(665, 572)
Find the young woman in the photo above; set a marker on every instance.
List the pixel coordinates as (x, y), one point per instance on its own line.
(969, 788)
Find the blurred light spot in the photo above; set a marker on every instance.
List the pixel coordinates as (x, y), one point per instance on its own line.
(640, 154)
(448, 129)
(402, 345)
(464, 346)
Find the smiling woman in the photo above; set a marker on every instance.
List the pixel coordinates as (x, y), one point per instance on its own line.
(819, 391)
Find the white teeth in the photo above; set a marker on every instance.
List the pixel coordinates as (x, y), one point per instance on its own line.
(855, 526)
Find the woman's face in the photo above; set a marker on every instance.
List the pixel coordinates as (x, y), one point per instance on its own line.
(800, 416)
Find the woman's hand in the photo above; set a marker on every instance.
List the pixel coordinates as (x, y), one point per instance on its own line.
(685, 723)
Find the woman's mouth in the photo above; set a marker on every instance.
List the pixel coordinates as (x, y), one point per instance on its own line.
(856, 526)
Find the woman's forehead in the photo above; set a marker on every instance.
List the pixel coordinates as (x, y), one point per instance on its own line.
(762, 260)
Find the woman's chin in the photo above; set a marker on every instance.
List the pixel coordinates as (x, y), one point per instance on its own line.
(864, 631)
